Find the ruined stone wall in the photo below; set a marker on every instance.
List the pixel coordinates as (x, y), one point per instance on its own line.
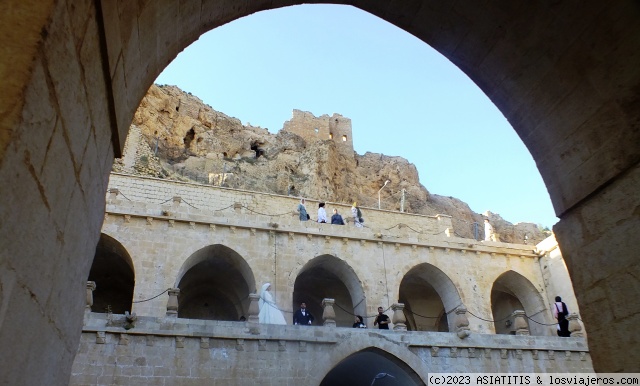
(336, 128)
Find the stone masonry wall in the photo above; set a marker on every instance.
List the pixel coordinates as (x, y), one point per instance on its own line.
(196, 352)
(160, 237)
(278, 208)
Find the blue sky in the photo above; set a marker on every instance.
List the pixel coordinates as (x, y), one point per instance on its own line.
(403, 97)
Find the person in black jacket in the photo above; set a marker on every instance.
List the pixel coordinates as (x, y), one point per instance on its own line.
(560, 311)
(336, 218)
(382, 320)
(302, 316)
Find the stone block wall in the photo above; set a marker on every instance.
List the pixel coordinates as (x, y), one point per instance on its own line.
(192, 352)
(161, 236)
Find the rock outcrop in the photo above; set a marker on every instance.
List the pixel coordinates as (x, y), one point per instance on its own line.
(175, 135)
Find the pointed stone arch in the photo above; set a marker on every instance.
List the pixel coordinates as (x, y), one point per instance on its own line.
(113, 272)
(371, 365)
(512, 291)
(214, 283)
(327, 276)
(430, 297)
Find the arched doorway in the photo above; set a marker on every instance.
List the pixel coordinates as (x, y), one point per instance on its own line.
(112, 271)
(371, 366)
(214, 284)
(429, 296)
(327, 276)
(510, 292)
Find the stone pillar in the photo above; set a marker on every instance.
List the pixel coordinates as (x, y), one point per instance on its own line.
(91, 286)
(398, 319)
(461, 322)
(254, 308)
(328, 314)
(575, 326)
(520, 323)
(172, 303)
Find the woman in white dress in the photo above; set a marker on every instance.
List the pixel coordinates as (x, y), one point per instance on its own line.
(269, 312)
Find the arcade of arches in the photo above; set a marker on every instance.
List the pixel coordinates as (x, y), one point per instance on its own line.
(217, 258)
(565, 75)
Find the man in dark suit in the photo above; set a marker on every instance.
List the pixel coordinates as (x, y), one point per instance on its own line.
(302, 316)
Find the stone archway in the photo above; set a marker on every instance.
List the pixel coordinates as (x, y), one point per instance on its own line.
(112, 271)
(510, 292)
(214, 284)
(371, 366)
(327, 276)
(565, 77)
(429, 296)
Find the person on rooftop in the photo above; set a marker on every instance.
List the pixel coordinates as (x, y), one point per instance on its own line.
(357, 215)
(336, 219)
(322, 213)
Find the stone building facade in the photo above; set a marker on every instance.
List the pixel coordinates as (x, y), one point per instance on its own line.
(456, 304)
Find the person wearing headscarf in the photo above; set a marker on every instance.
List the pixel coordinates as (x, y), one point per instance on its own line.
(560, 312)
(357, 216)
(269, 312)
(359, 323)
(302, 210)
(322, 213)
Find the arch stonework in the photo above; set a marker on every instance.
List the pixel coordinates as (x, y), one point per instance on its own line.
(112, 260)
(442, 284)
(215, 274)
(346, 275)
(529, 296)
(355, 344)
(565, 78)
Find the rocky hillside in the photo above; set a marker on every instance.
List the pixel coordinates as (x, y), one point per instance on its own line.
(175, 135)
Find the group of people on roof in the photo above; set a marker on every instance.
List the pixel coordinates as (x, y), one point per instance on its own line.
(336, 218)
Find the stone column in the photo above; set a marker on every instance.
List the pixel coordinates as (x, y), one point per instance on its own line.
(398, 319)
(575, 326)
(172, 303)
(461, 322)
(328, 314)
(254, 308)
(520, 323)
(91, 286)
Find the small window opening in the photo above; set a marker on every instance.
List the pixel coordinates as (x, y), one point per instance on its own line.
(330, 135)
(316, 129)
(344, 138)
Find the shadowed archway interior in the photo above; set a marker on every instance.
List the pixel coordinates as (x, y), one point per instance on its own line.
(215, 284)
(371, 366)
(112, 271)
(326, 276)
(510, 292)
(429, 296)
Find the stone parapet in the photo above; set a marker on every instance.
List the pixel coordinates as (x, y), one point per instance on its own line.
(180, 350)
